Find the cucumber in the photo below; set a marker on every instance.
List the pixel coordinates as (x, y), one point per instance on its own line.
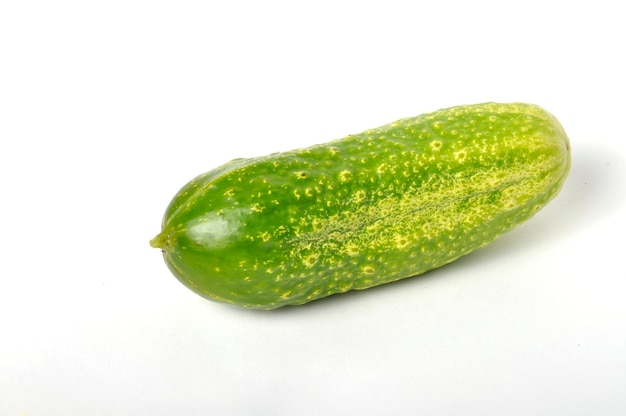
(368, 209)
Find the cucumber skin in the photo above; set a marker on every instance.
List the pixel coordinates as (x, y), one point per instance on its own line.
(372, 208)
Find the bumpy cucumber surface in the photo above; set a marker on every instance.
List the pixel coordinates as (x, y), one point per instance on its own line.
(368, 209)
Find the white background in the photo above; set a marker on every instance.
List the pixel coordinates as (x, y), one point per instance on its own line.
(108, 107)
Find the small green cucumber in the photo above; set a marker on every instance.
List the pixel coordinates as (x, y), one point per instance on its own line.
(368, 209)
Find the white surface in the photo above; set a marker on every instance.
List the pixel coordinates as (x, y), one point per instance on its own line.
(108, 108)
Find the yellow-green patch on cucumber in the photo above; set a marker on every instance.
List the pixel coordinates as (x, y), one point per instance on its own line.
(368, 209)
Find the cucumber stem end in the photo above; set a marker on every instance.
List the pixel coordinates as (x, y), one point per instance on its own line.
(158, 241)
